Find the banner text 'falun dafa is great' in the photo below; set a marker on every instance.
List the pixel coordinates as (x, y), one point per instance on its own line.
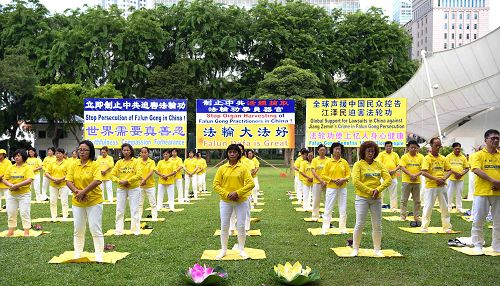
(351, 121)
(257, 124)
(153, 123)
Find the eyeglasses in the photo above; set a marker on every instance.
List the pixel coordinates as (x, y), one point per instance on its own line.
(494, 138)
(83, 150)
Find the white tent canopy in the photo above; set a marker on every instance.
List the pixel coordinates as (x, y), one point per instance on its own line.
(467, 80)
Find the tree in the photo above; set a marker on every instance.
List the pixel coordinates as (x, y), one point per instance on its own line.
(17, 85)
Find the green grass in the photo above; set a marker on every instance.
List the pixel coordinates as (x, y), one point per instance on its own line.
(179, 242)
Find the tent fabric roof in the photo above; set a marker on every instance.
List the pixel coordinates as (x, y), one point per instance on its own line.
(468, 80)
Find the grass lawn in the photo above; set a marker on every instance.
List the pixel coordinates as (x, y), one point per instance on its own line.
(179, 242)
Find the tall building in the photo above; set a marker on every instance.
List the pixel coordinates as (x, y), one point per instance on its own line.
(347, 6)
(439, 25)
(402, 11)
(126, 4)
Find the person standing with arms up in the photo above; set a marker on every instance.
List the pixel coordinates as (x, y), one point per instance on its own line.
(459, 167)
(106, 164)
(411, 166)
(486, 165)
(390, 160)
(83, 179)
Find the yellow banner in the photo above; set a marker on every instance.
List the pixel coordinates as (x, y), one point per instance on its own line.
(351, 121)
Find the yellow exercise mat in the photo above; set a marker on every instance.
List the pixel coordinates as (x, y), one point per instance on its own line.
(466, 200)
(431, 230)
(258, 204)
(205, 194)
(108, 203)
(148, 219)
(297, 203)
(184, 203)
(3, 210)
(254, 219)
(318, 231)
(453, 211)
(20, 233)
(391, 210)
(48, 219)
(303, 210)
(255, 210)
(234, 254)
(346, 252)
(252, 232)
(310, 219)
(170, 211)
(108, 257)
(39, 202)
(397, 218)
(470, 251)
(196, 199)
(128, 232)
(466, 218)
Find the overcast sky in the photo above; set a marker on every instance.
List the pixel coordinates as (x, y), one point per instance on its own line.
(386, 5)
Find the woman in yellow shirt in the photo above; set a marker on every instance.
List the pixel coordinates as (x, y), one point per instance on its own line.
(190, 177)
(83, 179)
(318, 167)
(36, 163)
(202, 170)
(306, 177)
(256, 163)
(234, 184)
(18, 178)
(366, 177)
(166, 170)
(127, 174)
(178, 176)
(147, 183)
(106, 164)
(4, 166)
(335, 175)
(56, 173)
(49, 159)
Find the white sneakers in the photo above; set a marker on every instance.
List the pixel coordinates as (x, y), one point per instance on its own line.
(478, 250)
(355, 252)
(378, 253)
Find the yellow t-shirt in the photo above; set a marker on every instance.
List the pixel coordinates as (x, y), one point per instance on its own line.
(366, 178)
(104, 164)
(146, 168)
(435, 166)
(306, 168)
(336, 169)
(190, 164)
(490, 164)
(413, 164)
(297, 163)
(458, 164)
(4, 166)
(390, 161)
(247, 163)
(58, 170)
(17, 174)
(256, 165)
(35, 163)
(47, 161)
(178, 163)
(82, 176)
(128, 170)
(318, 165)
(230, 179)
(202, 166)
(165, 168)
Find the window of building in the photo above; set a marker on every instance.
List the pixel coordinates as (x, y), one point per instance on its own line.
(445, 46)
(475, 16)
(42, 134)
(452, 45)
(468, 16)
(453, 26)
(460, 26)
(453, 16)
(446, 15)
(475, 36)
(446, 26)
(459, 36)
(468, 26)
(460, 44)
(453, 36)
(460, 16)
(475, 26)
(445, 36)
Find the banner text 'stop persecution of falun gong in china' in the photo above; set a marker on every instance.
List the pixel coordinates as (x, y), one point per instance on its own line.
(351, 121)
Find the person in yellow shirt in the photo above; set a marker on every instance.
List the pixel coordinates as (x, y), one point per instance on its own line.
(250, 166)
(83, 180)
(4, 166)
(459, 167)
(335, 175)
(486, 165)
(49, 159)
(256, 164)
(307, 181)
(106, 164)
(18, 179)
(190, 177)
(233, 182)
(56, 173)
(147, 183)
(36, 163)
(318, 166)
(370, 179)
(202, 170)
(298, 182)
(436, 170)
(390, 160)
(166, 171)
(411, 166)
(178, 176)
(127, 175)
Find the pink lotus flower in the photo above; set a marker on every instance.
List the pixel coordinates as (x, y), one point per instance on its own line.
(203, 275)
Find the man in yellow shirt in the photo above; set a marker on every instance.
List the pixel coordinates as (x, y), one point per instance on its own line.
(486, 165)
(4, 166)
(390, 160)
(459, 167)
(298, 181)
(411, 166)
(436, 170)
